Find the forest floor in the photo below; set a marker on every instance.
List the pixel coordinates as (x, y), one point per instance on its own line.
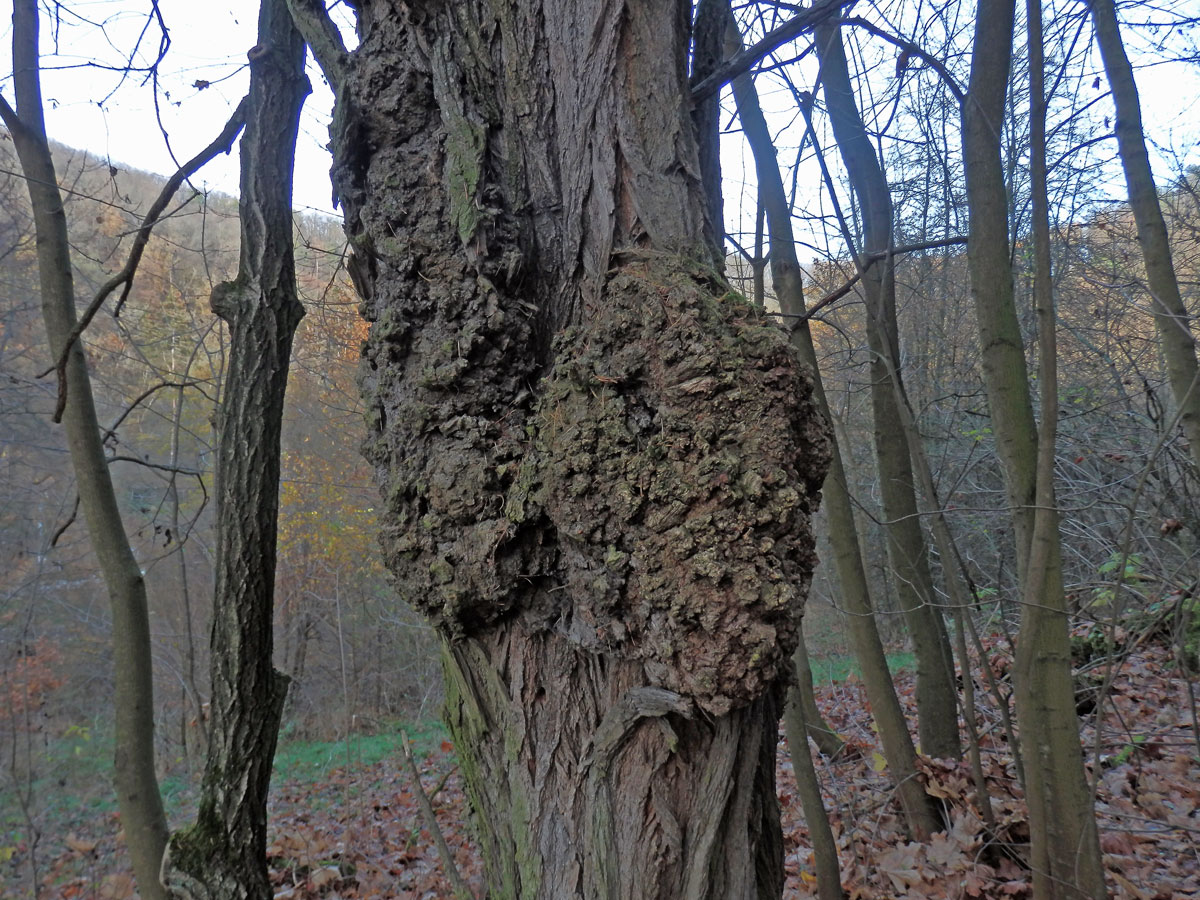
(357, 832)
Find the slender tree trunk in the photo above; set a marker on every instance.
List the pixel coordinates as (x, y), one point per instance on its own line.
(598, 464)
(1002, 348)
(223, 854)
(708, 51)
(801, 707)
(786, 279)
(190, 687)
(137, 785)
(1064, 849)
(937, 698)
(825, 855)
(1064, 839)
(1170, 314)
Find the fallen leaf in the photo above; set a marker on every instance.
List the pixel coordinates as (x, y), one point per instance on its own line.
(117, 887)
(79, 845)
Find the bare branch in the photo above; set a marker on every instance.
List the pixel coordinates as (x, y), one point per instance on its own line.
(223, 143)
(313, 21)
(10, 118)
(461, 891)
(909, 48)
(62, 529)
(112, 430)
(866, 261)
(176, 470)
(744, 61)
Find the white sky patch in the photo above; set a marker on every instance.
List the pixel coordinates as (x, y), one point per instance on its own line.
(95, 109)
(204, 75)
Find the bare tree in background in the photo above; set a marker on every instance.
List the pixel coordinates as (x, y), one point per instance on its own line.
(1170, 313)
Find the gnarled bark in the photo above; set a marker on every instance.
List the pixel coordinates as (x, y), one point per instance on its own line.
(598, 464)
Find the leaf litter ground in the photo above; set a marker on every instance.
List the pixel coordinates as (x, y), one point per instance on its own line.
(359, 833)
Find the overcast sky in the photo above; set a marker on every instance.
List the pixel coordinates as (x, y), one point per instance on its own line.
(114, 116)
(95, 109)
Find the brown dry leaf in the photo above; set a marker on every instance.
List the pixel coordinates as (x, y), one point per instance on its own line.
(80, 845)
(900, 866)
(324, 876)
(944, 851)
(973, 885)
(1119, 843)
(1128, 888)
(118, 886)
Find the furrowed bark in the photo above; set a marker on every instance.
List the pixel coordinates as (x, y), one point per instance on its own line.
(223, 854)
(137, 786)
(598, 464)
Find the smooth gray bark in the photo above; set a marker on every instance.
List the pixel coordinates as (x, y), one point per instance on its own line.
(1064, 849)
(136, 782)
(786, 279)
(1171, 315)
(1063, 837)
(908, 552)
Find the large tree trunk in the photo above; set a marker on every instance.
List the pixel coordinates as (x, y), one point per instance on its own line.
(1170, 313)
(598, 464)
(908, 552)
(223, 854)
(1064, 849)
(136, 781)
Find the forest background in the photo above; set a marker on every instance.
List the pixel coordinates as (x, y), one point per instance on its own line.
(361, 662)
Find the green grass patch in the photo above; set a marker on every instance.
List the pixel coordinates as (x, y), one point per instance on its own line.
(70, 779)
(835, 668)
(297, 760)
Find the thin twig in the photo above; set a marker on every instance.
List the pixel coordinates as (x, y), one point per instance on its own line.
(61, 529)
(124, 278)
(461, 890)
(743, 62)
(867, 260)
